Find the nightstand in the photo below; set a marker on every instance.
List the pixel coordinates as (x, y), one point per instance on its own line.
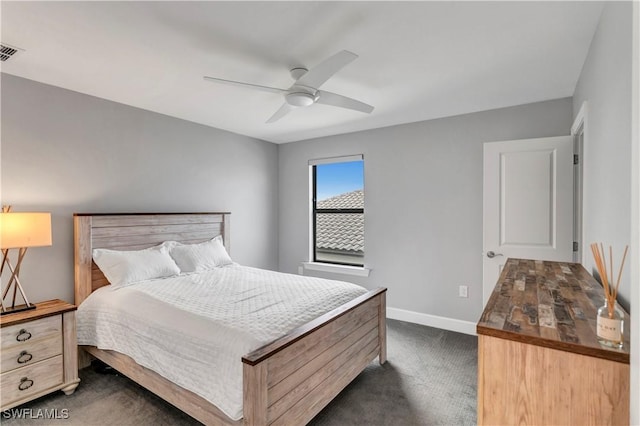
(39, 353)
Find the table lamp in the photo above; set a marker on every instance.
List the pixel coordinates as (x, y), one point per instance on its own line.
(20, 231)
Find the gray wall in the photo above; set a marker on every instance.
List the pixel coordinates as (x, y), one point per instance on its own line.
(605, 83)
(423, 202)
(66, 152)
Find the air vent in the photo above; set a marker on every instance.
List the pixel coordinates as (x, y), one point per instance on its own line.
(7, 51)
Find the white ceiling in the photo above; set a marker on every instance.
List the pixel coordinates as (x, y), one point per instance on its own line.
(418, 60)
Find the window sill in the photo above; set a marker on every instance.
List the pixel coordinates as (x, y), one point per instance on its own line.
(337, 269)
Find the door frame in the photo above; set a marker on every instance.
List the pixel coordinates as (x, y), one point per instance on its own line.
(579, 127)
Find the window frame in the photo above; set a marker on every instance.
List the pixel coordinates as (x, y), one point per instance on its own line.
(315, 210)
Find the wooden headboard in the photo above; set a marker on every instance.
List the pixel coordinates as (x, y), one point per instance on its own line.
(135, 231)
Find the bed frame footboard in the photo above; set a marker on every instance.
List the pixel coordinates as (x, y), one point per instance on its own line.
(290, 380)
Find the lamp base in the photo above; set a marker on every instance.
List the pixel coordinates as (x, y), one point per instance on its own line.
(19, 308)
(13, 282)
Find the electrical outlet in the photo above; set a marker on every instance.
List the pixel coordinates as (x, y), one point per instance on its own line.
(300, 270)
(463, 291)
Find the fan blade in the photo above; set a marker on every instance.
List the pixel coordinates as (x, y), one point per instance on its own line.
(284, 110)
(317, 75)
(239, 83)
(333, 99)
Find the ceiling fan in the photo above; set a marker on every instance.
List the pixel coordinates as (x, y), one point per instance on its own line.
(304, 91)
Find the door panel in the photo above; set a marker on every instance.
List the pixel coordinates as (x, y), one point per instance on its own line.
(527, 203)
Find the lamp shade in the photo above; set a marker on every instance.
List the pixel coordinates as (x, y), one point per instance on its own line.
(24, 229)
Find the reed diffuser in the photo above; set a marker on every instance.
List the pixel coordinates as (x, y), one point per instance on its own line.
(610, 322)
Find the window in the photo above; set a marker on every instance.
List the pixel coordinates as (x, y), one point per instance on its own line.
(338, 210)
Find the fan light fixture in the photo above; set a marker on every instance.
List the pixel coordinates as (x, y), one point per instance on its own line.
(300, 99)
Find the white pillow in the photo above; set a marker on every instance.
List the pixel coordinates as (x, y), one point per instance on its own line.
(200, 257)
(123, 268)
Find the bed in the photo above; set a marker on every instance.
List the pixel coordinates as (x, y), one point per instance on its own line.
(284, 382)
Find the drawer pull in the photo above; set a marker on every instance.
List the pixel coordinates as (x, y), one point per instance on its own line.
(25, 383)
(23, 336)
(24, 357)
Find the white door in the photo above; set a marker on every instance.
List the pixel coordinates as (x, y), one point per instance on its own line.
(527, 203)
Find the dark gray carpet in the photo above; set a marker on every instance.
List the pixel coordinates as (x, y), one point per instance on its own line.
(429, 379)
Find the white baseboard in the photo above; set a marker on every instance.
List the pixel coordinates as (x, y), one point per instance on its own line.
(435, 321)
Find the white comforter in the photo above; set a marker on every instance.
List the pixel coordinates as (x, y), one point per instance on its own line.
(193, 329)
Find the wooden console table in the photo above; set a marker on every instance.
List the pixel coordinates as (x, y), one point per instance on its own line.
(539, 362)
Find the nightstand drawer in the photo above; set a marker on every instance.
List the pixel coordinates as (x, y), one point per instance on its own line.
(21, 383)
(22, 335)
(30, 352)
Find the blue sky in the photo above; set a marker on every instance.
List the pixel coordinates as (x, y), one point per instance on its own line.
(337, 178)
